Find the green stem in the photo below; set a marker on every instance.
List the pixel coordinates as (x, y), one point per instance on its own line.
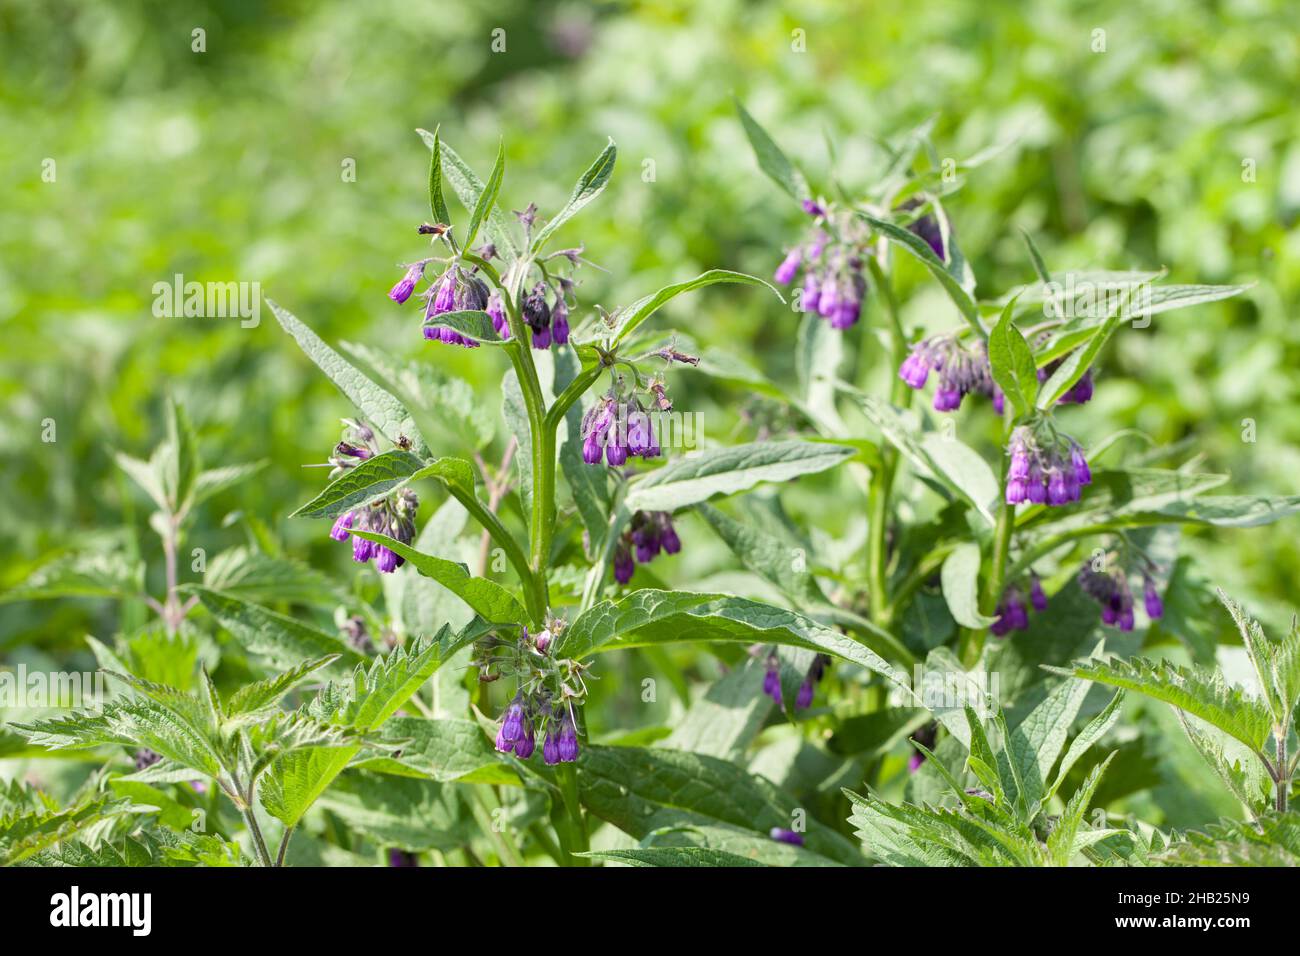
(882, 478)
(284, 846)
(534, 596)
(1283, 783)
(570, 824)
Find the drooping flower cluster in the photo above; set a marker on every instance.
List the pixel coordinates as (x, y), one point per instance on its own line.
(804, 697)
(549, 323)
(648, 533)
(1080, 392)
(962, 371)
(925, 226)
(1013, 611)
(529, 715)
(833, 283)
(618, 430)
(1109, 587)
(457, 290)
(1046, 468)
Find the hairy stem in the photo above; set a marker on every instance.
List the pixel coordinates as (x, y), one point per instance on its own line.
(972, 639)
(284, 846)
(255, 831)
(1283, 784)
(570, 824)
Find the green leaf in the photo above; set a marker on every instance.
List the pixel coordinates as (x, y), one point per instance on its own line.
(1272, 839)
(369, 698)
(385, 412)
(24, 835)
(626, 320)
(263, 579)
(921, 249)
(146, 474)
(213, 481)
(1036, 258)
(1063, 842)
(1037, 741)
(726, 471)
(491, 600)
(261, 631)
(649, 617)
(960, 580)
(263, 695)
(951, 463)
(111, 573)
(378, 477)
(588, 187)
(770, 158)
(468, 188)
(641, 790)
(444, 750)
(181, 460)
(1093, 732)
(487, 196)
(1012, 364)
(726, 717)
(590, 486)
(413, 814)
(767, 555)
(1277, 665)
(471, 323)
(672, 856)
(437, 204)
(295, 780)
(1199, 692)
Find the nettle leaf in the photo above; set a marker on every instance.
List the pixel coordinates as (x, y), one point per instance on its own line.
(921, 249)
(1091, 733)
(146, 474)
(1037, 741)
(960, 580)
(1129, 498)
(1236, 764)
(255, 699)
(385, 412)
(472, 323)
(1276, 664)
(264, 632)
(487, 197)
(403, 812)
(770, 158)
(954, 465)
(1066, 838)
(626, 320)
(640, 791)
(444, 750)
(1201, 693)
(372, 696)
(486, 597)
(648, 617)
(468, 188)
(588, 187)
(725, 471)
(379, 477)
(1012, 364)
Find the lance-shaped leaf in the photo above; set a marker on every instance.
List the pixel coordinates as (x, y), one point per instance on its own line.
(672, 856)
(487, 197)
(1037, 741)
(25, 835)
(641, 790)
(725, 471)
(487, 598)
(770, 158)
(295, 780)
(588, 187)
(626, 321)
(213, 481)
(649, 617)
(1199, 692)
(1012, 364)
(437, 203)
(1066, 838)
(276, 636)
(254, 699)
(921, 249)
(1276, 664)
(766, 554)
(379, 477)
(468, 188)
(384, 411)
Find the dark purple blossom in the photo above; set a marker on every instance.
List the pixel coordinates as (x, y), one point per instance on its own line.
(961, 371)
(1051, 470)
(406, 285)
